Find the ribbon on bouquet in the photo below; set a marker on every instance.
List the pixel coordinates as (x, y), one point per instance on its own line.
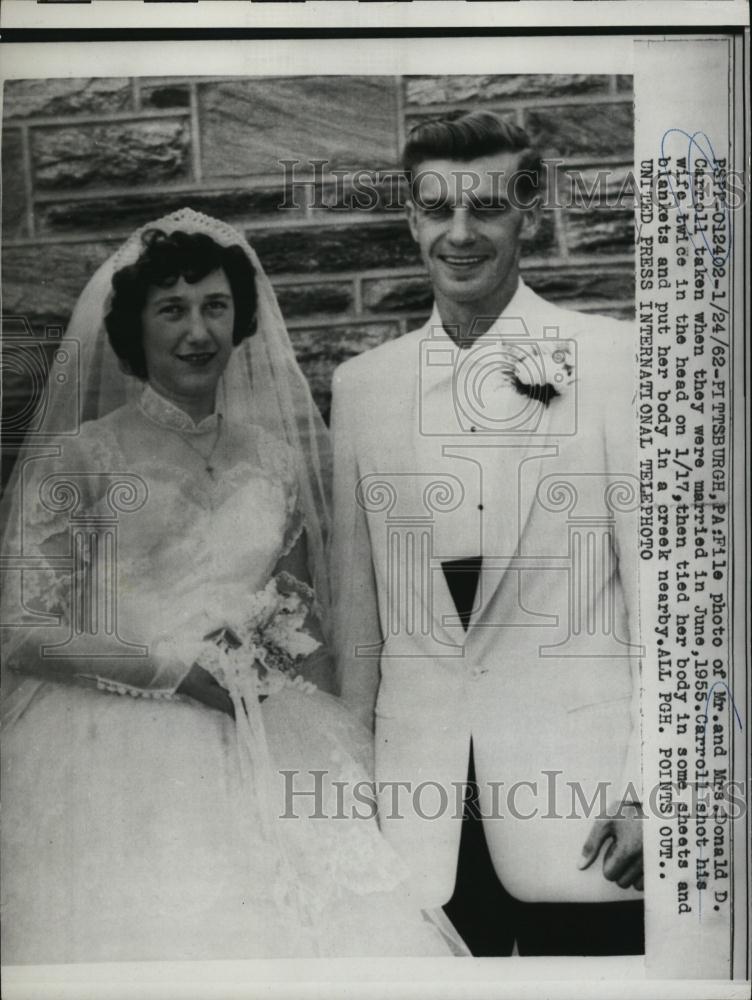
(258, 773)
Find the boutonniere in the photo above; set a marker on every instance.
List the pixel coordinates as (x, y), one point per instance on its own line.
(541, 370)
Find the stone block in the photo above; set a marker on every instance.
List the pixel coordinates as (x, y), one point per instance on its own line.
(14, 189)
(163, 94)
(43, 282)
(335, 248)
(423, 90)
(128, 212)
(54, 98)
(145, 152)
(599, 231)
(361, 191)
(318, 298)
(319, 350)
(413, 120)
(541, 241)
(397, 295)
(417, 320)
(591, 284)
(248, 126)
(583, 129)
(612, 186)
(26, 358)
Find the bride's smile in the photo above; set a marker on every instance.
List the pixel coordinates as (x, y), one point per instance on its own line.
(187, 333)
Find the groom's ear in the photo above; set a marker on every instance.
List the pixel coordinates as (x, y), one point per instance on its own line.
(411, 212)
(531, 219)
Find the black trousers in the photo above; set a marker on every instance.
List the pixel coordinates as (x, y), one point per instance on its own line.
(489, 919)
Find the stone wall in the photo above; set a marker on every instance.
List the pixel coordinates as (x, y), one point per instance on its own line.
(87, 160)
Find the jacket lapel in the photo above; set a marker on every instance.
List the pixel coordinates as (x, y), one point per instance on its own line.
(415, 580)
(528, 316)
(521, 464)
(435, 597)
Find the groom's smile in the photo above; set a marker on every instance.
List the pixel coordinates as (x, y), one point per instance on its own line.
(467, 230)
(463, 263)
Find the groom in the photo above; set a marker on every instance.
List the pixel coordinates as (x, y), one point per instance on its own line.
(485, 573)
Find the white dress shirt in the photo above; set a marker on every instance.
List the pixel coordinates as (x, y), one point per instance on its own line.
(466, 411)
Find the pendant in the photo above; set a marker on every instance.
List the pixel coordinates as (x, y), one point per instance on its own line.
(210, 471)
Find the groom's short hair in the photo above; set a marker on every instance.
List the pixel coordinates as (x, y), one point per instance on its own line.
(465, 136)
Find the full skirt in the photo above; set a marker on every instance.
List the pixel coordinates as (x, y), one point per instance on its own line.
(135, 829)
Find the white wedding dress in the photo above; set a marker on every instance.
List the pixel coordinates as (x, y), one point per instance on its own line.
(134, 827)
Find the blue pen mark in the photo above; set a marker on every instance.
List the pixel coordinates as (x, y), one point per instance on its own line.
(708, 154)
(717, 684)
(722, 684)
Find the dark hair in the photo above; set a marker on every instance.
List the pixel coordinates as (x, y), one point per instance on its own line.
(466, 136)
(163, 261)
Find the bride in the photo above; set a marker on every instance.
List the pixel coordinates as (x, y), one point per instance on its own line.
(169, 748)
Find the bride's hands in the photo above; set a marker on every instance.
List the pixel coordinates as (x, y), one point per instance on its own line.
(200, 685)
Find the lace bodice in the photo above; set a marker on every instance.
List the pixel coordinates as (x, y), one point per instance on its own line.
(196, 546)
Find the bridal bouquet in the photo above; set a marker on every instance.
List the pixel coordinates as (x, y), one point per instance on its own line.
(270, 644)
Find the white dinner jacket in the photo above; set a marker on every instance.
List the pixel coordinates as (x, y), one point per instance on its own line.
(546, 679)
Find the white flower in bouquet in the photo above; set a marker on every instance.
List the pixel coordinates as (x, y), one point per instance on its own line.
(271, 643)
